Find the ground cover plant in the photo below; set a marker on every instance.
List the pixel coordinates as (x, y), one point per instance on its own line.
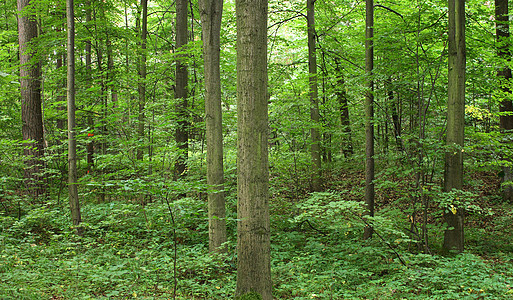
(127, 251)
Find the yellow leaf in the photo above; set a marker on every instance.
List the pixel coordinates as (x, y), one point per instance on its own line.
(453, 209)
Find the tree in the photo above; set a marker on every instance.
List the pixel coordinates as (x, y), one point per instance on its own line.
(30, 87)
(211, 13)
(141, 70)
(504, 76)
(72, 142)
(453, 176)
(89, 82)
(369, 114)
(182, 130)
(253, 227)
(347, 145)
(315, 148)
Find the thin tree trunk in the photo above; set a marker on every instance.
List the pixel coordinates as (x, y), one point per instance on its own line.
(89, 81)
(61, 122)
(72, 142)
(395, 118)
(182, 130)
(369, 115)
(111, 74)
(315, 148)
(454, 216)
(347, 145)
(31, 113)
(504, 77)
(141, 86)
(211, 12)
(253, 227)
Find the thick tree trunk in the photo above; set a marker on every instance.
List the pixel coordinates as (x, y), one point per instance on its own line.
(31, 113)
(253, 227)
(315, 148)
(182, 130)
(369, 115)
(72, 142)
(141, 85)
(504, 76)
(211, 12)
(454, 236)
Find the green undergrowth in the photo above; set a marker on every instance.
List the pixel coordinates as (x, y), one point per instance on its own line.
(127, 251)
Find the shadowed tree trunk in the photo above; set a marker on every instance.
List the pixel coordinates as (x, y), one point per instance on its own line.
(211, 13)
(89, 80)
(253, 227)
(454, 236)
(182, 130)
(72, 142)
(369, 115)
(315, 148)
(504, 77)
(347, 146)
(141, 70)
(31, 114)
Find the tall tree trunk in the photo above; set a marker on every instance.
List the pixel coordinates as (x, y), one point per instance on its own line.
(61, 122)
(396, 121)
(141, 85)
(347, 145)
(253, 227)
(182, 130)
(369, 114)
(111, 74)
(504, 77)
(31, 113)
(72, 142)
(454, 216)
(315, 148)
(89, 81)
(211, 12)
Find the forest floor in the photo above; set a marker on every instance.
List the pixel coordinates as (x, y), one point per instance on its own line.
(131, 250)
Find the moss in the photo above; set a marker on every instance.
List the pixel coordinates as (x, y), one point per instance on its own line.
(249, 296)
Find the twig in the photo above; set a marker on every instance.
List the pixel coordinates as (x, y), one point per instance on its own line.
(386, 242)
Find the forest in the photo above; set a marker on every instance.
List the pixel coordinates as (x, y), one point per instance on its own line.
(256, 149)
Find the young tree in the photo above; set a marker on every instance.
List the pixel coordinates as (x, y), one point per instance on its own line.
(369, 114)
(253, 227)
(347, 145)
(72, 142)
(31, 114)
(182, 130)
(504, 76)
(211, 12)
(315, 148)
(454, 237)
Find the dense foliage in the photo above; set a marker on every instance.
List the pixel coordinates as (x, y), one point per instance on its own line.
(145, 232)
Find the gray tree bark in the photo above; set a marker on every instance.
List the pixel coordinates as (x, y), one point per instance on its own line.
(369, 114)
(182, 130)
(454, 234)
(89, 81)
(72, 142)
(141, 70)
(315, 147)
(210, 13)
(253, 227)
(31, 113)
